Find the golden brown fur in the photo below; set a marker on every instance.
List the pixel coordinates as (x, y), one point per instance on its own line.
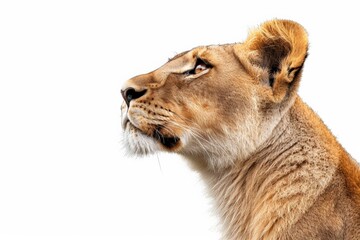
(273, 167)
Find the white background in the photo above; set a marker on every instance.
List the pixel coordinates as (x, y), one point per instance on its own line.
(63, 171)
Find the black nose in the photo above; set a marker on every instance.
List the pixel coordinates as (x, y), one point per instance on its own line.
(131, 94)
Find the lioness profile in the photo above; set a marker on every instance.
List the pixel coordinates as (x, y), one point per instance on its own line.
(273, 167)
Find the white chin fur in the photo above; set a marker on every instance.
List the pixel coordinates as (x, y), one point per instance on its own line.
(138, 143)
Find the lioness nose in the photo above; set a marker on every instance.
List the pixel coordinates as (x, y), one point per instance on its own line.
(131, 94)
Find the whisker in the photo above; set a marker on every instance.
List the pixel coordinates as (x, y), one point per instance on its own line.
(157, 156)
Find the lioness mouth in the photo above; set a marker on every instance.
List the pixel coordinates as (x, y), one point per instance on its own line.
(168, 142)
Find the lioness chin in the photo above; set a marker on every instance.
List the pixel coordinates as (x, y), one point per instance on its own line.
(273, 167)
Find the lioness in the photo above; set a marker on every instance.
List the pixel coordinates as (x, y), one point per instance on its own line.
(273, 167)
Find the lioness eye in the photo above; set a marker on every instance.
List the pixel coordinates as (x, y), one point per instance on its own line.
(200, 66)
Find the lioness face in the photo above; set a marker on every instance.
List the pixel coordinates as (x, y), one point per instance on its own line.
(201, 102)
(197, 103)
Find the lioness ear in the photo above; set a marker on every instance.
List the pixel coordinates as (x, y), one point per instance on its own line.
(279, 47)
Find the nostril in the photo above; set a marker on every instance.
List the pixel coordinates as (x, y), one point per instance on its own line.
(128, 95)
(131, 94)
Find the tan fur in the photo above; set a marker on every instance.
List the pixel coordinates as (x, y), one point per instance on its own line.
(273, 167)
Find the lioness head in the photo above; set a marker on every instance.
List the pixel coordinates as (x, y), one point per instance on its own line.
(217, 103)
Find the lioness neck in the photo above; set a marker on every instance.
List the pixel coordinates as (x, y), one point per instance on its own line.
(270, 191)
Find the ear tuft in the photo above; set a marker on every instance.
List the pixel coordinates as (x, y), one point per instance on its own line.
(279, 47)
